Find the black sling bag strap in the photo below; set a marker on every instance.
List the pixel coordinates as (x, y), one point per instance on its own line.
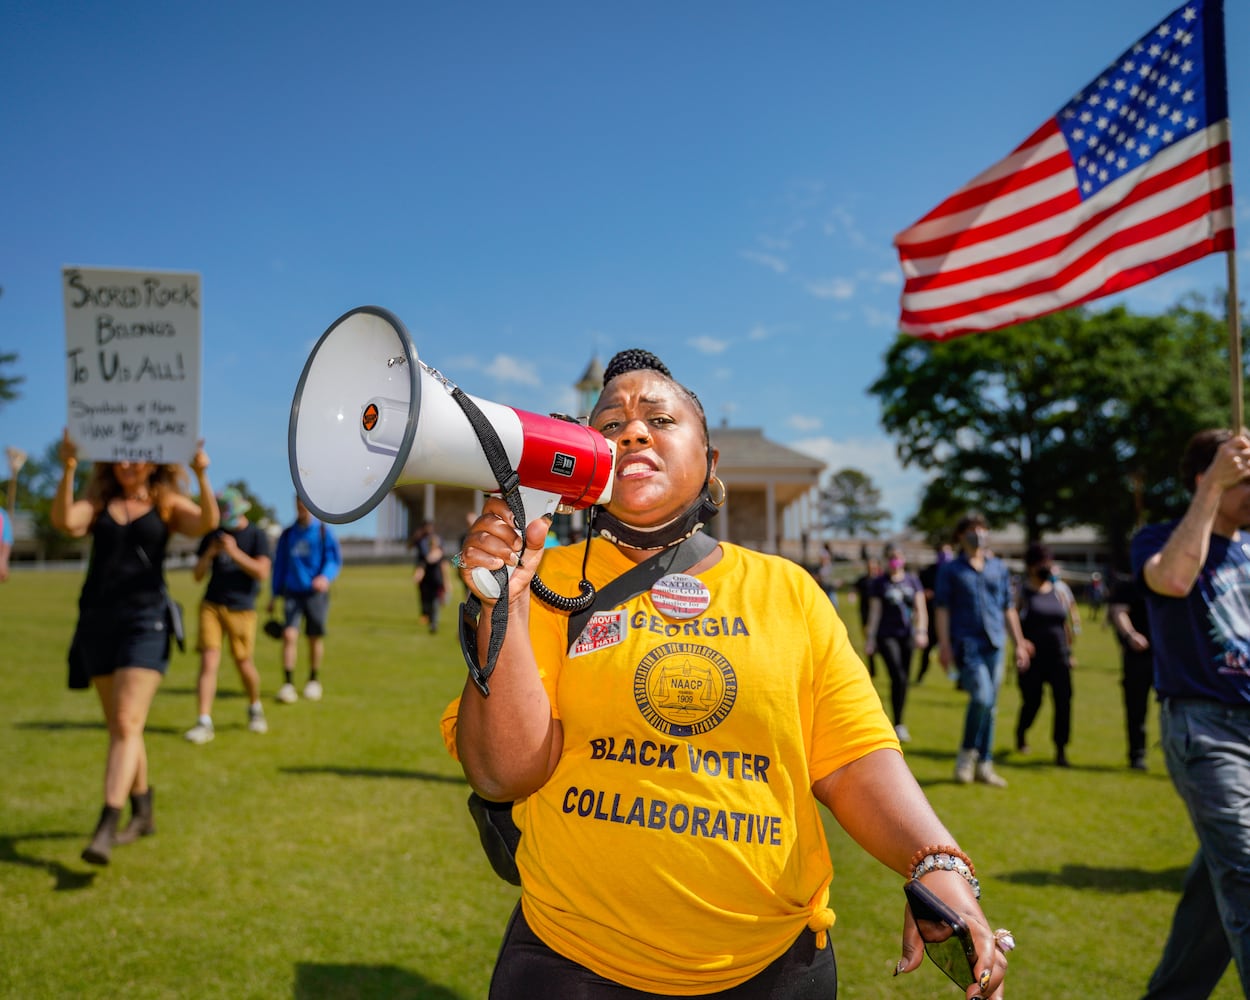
(642, 577)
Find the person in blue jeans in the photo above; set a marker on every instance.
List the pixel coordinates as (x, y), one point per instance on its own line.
(1196, 575)
(974, 614)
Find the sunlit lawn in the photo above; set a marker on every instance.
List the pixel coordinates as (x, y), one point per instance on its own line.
(334, 856)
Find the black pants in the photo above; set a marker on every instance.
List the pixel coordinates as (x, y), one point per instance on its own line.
(1138, 680)
(1059, 676)
(527, 969)
(925, 654)
(897, 655)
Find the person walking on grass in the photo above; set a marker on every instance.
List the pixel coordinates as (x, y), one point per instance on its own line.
(1196, 577)
(121, 643)
(306, 562)
(676, 892)
(1128, 616)
(898, 622)
(974, 614)
(236, 558)
(1045, 609)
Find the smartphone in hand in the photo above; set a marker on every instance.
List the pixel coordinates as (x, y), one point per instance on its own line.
(947, 940)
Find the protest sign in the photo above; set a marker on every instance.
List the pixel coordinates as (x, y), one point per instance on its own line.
(132, 370)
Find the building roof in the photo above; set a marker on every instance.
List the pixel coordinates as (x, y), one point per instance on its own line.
(743, 448)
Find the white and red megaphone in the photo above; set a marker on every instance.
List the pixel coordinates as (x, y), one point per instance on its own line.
(368, 416)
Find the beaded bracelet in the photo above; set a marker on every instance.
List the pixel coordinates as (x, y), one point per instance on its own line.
(945, 858)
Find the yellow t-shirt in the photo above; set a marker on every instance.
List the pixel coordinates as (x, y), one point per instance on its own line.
(677, 847)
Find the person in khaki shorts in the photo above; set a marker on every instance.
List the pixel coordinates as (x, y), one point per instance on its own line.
(236, 557)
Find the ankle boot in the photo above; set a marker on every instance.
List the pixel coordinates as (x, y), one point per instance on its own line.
(142, 823)
(100, 849)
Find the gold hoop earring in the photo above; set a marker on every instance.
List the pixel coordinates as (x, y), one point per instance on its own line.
(716, 491)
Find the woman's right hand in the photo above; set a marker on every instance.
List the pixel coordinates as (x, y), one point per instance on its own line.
(493, 542)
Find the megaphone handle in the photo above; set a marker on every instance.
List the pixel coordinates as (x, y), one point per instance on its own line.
(535, 504)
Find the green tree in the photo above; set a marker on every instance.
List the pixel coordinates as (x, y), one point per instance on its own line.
(36, 487)
(1069, 419)
(9, 383)
(851, 504)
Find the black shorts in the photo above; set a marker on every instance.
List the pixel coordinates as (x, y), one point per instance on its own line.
(313, 607)
(108, 641)
(527, 968)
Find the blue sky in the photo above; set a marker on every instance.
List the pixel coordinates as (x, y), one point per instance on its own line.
(529, 185)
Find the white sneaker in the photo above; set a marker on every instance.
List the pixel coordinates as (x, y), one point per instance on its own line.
(965, 764)
(256, 721)
(287, 694)
(986, 774)
(200, 733)
(312, 690)
(901, 732)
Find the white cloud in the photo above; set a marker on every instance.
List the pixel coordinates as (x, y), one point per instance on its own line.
(775, 243)
(879, 318)
(768, 260)
(891, 278)
(841, 221)
(759, 332)
(506, 368)
(832, 288)
(900, 488)
(803, 423)
(451, 366)
(708, 345)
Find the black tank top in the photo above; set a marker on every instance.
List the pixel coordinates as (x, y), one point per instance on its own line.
(1043, 617)
(117, 576)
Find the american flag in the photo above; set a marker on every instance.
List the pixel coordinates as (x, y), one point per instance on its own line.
(1133, 177)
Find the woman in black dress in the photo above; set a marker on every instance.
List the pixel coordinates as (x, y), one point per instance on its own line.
(122, 640)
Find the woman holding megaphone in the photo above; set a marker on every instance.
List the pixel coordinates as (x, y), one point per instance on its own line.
(121, 644)
(666, 759)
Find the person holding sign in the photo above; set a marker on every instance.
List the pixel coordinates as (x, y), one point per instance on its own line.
(122, 640)
(668, 754)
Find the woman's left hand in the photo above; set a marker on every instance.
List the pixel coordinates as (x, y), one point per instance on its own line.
(991, 946)
(492, 542)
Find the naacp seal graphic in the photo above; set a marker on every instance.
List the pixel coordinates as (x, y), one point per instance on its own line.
(684, 688)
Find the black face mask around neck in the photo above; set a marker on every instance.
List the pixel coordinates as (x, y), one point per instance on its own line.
(666, 535)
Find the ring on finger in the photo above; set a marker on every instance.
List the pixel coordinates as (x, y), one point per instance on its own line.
(458, 559)
(1005, 940)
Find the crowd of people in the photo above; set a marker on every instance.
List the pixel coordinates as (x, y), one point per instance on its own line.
(128, 621)
(531, 729)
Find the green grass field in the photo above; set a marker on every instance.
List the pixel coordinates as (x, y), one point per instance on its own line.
(334, 857)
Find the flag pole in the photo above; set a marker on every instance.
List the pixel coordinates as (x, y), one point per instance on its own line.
(1234, 341)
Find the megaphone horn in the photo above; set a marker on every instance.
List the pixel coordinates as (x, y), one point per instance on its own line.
(369, 415)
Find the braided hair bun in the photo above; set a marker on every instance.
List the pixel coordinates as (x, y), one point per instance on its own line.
(632, 360)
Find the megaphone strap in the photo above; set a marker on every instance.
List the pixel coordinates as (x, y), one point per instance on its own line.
(471, 610)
